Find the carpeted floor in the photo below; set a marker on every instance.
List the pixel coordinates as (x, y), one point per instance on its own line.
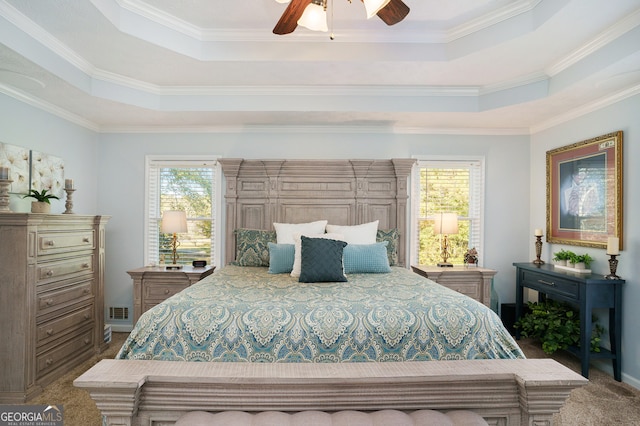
(602, 402)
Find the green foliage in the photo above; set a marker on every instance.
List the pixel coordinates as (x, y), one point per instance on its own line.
(41, 196)
(584, 258)
(562, 255)
(556, 325)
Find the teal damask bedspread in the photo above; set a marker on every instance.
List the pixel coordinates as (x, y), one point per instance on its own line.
(246, 314)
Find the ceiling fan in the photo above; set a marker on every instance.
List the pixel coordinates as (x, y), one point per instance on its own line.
(296, 13)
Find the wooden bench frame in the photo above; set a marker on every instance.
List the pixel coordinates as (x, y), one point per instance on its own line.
(504, 392)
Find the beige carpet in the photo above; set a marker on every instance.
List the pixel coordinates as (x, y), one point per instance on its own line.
(602, 402)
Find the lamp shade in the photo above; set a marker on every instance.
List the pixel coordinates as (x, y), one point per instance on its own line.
(373, 7)
(446, 223)
(314, 18)
(173, 222)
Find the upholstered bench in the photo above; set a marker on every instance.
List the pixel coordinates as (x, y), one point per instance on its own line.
(338, 418)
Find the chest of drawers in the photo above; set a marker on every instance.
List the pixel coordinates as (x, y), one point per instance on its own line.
(52, 292)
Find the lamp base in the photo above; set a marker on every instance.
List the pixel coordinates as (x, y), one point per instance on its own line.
(445, 265)
(172, 267)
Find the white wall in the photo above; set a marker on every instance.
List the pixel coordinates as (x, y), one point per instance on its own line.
(621, 116)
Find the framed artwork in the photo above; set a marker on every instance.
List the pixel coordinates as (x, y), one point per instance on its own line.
(584, 192)
(47, 172)
(17, 159)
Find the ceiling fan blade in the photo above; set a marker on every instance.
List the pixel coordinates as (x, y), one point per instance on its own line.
(394, 12)
(289, 20)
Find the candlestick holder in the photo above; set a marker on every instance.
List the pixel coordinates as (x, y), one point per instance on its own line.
(68, 204)
(4, 194)
(538, 261)
(613, 265)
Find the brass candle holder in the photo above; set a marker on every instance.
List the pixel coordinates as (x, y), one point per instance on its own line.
(613, 265)
(538, 261)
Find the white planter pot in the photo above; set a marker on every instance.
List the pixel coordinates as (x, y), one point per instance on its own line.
(580, 265)
(40, 207)
(560, 262)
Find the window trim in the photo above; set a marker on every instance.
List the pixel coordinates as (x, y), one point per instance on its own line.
(444, 161)
(188, 161)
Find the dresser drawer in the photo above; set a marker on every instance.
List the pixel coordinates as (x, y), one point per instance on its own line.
(64, 268)
(551, 285)
(53, 329)
(64, 242)
(61, 296)
(159, 292)
(67, 352)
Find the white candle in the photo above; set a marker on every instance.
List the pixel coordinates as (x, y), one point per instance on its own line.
(68, 184)
(4, 173)
(613, 245)
(538, 232)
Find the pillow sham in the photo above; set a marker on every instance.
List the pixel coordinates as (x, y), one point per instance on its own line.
(357, 234)
(297, 261)
(281, 258)
(285, 231)
(321, 260)
(393, 237)
(366, 258)
(252, 248)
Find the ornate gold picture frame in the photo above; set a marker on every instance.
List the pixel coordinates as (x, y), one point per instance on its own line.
(584, 192)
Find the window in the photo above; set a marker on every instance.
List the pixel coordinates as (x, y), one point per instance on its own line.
(443, 186)
(188, 184)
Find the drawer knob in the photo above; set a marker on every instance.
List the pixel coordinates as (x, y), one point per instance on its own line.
(85, 265)
(50, 243)
(86, 291)
(49, 302)
(166, 291)
(85, 240)
(549, 283)
(87, 340)
(87, 316)
(50, 273)
(49, 361)
(50, 332)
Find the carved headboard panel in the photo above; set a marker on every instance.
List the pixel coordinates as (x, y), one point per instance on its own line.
(344, 192)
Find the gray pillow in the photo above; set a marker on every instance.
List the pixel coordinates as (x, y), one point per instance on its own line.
(321, 260)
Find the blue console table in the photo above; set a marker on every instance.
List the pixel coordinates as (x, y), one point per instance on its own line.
(586, 292)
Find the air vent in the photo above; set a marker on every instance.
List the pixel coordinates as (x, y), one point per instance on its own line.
(118, 313)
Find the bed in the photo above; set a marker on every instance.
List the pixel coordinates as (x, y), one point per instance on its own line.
(222, 333)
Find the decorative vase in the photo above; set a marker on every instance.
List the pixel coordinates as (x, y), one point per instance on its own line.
(40, 207)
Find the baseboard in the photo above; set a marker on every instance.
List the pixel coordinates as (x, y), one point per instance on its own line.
(121, 328)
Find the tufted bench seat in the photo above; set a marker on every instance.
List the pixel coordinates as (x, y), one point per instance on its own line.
(338, 418)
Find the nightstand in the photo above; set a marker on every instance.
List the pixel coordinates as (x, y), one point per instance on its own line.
(154, 284)
(474, 282)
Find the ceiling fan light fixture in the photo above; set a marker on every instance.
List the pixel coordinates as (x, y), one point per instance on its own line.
(372, 7)
(314, 17)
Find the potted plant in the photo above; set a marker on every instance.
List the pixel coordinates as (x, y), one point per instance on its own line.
(561, 257)
(557, 326)
(43, 200)
(583, 261)
(471, 257)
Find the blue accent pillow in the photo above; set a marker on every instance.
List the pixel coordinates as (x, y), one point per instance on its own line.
(321, 260)
(366, 258)
(281, 258)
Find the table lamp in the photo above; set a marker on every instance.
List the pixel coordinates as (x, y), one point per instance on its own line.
(445, 224)
(174, 222)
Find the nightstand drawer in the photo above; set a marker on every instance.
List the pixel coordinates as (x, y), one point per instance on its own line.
(160, 292)
(551, 285)
(471, 290)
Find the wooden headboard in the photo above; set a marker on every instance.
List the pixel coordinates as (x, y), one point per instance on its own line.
(344, 192)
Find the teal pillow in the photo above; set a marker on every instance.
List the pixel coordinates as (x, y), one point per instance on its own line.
(252, 247)
(281, 258)
(366, 258)
(321, 260)
(393, 237)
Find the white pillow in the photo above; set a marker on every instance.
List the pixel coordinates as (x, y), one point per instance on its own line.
(297, 256)
(285, 231)
(357, 234)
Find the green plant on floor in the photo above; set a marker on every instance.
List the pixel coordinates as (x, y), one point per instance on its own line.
(556, 325)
